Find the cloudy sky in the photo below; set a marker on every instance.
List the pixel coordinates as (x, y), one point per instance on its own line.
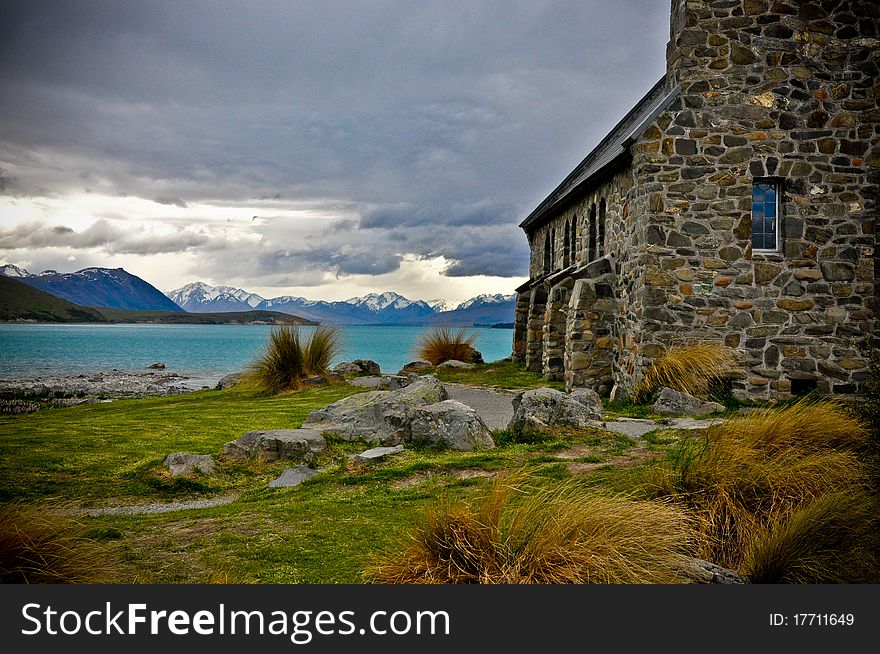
(316, 148)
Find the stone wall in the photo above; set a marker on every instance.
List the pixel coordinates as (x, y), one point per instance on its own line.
(768, 88)
(780, 89)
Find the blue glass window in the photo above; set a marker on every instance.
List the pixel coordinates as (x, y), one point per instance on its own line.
(765, 219)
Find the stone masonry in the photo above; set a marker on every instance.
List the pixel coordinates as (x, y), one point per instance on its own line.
(765, 130)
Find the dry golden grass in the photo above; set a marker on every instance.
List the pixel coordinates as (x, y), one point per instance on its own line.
(556, 535)
(750, 478)
(444, 343)
(287, 359)
(39, 544)
(689, 368)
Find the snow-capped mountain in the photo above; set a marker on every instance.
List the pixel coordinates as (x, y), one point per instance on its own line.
(13, 271)
(441, 305)
(198, 295)
(497, 298)
(97, 287)
(386, 308)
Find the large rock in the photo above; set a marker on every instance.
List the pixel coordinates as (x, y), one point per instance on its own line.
(358, 367)
(367, 366)
(540, 409)
(670, 402)
(380, 417)
(181, 463)
(415, 367)
(395, 382)
(293, 477)
(157, 366)
(590, 399)
(274, 444)
(451, 424)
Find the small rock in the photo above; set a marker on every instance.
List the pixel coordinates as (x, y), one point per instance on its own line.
(415, 367)
(157, 366)
(670, 402)
(542, 408)
(377, 453)
(181, 463)
(455, 363)
(275, 444)
(293, 477)
(228, 381)
(704, 572)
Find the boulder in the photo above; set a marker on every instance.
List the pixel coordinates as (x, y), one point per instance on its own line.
(451, 424)
(228, 381)
(415, 367)
(476, 356)
(293, 477)
(380, 417)
(347, 368)
(275, 444)
(366, 382)
(670, 402)
(367, 366)
(542, 408)
(157, 366)
(377, 454)
(395, 382)
(357, 367)
(590, 399)
(455, 363)
(181, 463)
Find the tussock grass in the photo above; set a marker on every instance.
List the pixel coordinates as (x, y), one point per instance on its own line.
(288, 358)
(445, 343)
(756, 483)
(549, 535)
(690, 369)
(39, 544)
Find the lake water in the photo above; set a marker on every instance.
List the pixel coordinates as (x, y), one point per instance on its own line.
(203, 352)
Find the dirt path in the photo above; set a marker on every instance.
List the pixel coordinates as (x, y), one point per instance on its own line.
(160, 507)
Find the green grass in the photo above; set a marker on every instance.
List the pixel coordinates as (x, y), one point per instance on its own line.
(499, 374)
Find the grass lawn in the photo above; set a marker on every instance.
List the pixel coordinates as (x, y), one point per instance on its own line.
(324, 531)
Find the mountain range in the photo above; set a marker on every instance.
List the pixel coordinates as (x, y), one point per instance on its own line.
(386, 308)
(115, 288)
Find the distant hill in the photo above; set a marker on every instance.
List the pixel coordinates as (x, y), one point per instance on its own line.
(386, 308)
(22, 302)
(19, 301)
(97, 287)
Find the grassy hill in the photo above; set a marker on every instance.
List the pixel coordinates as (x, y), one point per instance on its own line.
(21, 302)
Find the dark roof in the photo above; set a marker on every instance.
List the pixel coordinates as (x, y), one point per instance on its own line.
(610, 149)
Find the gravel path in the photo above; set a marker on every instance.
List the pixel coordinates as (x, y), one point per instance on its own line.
(160, 507)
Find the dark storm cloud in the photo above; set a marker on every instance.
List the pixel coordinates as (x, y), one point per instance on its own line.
(436, 125)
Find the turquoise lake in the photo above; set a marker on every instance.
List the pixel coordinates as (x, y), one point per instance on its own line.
(202, 352)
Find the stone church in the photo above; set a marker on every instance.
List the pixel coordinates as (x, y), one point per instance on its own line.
(734, 204)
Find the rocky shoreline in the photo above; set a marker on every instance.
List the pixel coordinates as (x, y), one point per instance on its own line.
(27, 395)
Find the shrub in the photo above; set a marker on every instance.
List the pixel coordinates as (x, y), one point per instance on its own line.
(41, 545)
(444, 343)
(551, 535)
(691, 369)
(287, 359)
(752, 481)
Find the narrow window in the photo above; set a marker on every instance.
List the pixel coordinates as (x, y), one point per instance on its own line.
(575, 245)
(591, 253)
(766, 198)
(547, 252)
(566, 245)
(602, 208)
